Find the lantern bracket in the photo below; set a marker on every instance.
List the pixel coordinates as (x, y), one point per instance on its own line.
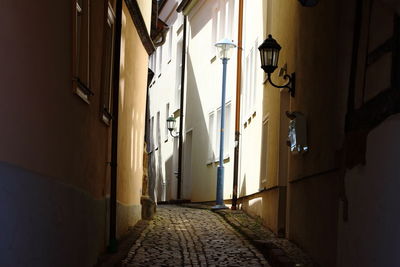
(174, 136)
(290, 85)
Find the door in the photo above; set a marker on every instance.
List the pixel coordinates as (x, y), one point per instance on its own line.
(187, 169)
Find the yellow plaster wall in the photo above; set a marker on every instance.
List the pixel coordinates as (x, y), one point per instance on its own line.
(132, 104)
(308, 40)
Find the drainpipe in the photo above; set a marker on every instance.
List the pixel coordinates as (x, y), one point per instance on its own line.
(237, 117)
(181, 108)
(354, 60)
(112, 246)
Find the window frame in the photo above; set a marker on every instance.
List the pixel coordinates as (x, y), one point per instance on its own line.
(81, 49)
(214, 133)
(108, 70)
(264, 153)
(167, 111)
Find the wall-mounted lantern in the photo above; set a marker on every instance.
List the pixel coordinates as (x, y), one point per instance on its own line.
(171, 124)
(269, 52)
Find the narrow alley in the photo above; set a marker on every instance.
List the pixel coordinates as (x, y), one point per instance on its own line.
(200, 133)
(180, 236)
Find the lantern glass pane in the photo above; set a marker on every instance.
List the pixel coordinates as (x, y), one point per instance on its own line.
(170, 123)
(262, 57)
(221, 51)
(269, 57)
(225, 50)
(275, 57)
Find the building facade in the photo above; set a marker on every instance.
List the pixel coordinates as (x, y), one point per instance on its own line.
(164, 101)
(335, 199)
(208, 23)
(57, 116)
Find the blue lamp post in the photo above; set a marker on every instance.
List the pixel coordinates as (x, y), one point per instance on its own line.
(224, 49)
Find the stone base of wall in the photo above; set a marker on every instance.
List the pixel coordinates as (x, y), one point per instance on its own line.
(127, 216)
(47, 223)
(270, 206)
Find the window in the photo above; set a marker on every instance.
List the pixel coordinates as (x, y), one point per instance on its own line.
(158, 132)
(81, 45)
(166, 133)
(153, 62)
(170, 39)
(151, 130)
(211, 133)
(250, 82)
(256, 70)
(159, 57)
(264, 153)
(214, 32)
(215, 133)
(178, 74)
(227, 130)
(222, 21)
(229, 14)
(108, 65)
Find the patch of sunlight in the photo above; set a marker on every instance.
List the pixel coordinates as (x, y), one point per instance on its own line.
(136, 150)
(255, 201)
(122, 92)
(132, 158)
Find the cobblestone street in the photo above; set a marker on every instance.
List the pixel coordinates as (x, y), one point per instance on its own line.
(180, 236)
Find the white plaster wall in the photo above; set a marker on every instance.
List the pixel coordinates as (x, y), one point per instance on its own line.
(161, 92)
(371, 237)
(47, 223)
(204, 76)
(203, 95)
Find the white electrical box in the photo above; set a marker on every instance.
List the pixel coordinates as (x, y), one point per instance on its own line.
(297, 135)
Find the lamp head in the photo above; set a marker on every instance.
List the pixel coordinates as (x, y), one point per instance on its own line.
(269, 52)
(224, 48)
(171, 123)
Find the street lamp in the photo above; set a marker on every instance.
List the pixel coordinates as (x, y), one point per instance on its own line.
(171, 122)
(269, 52)
(224, 49)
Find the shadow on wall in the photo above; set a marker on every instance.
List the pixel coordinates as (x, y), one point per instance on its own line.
(201, 20)
(47, 223)
(151, 168)
(203, 174)
(152, 173)
(371, 235)
(170, 179)
(160, 179)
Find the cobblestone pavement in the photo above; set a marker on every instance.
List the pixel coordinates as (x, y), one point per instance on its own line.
(180, 236)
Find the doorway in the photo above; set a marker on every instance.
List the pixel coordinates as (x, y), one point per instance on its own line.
(187, 169)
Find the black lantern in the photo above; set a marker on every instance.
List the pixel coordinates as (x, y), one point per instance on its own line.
(171, 122)
(269, 53)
